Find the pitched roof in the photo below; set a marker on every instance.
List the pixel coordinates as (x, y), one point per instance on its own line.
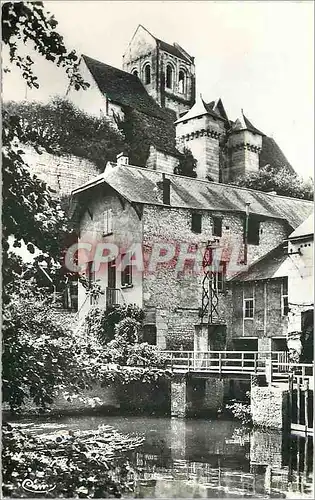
(272, 155)
(138, 185)
(174, 49)
(122, 87)
(127, 90)
(267, 267)
(201, 108)
(305, 229)
(243, 123)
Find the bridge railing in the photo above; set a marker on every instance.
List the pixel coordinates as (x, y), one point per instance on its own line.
(226, 361)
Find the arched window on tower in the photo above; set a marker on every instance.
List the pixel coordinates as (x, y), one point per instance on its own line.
(169, 76)
(135, 72)
(147, 74)
(181, 82)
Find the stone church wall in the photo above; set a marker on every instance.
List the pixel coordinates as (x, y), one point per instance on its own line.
(62, 173)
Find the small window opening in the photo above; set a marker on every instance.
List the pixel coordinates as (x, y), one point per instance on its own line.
(147, 74)
(253, 231)
(181, 82)
(196, 223)
(169, 76)
(217, 226)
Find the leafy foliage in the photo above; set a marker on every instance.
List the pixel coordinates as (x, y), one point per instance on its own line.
(123, 357)
(40, 357)
(30, 214)
(24, 22)
(187, 164)
(135, 130)
(61, 128)
(85, 464)
(283, 181)
(240, 410)
(102, 323)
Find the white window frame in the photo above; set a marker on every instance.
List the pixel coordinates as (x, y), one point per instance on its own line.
(123, 273)
(284, 296)
(107, 222)
(244, 308)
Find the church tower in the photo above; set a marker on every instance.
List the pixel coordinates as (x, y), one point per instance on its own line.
(167, 71)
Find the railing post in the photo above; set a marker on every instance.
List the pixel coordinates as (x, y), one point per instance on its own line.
(220, 362)
(255, 362)
(268, 370)
(298, 402)
(306, 406)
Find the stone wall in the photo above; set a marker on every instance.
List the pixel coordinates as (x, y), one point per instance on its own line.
(176, 296)
(201, 135)
(243, 149)
(62, 173)
(126, 230)
(270, 406)
(158, 160)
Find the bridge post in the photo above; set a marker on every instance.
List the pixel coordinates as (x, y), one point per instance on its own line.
(269, 405)
(179, 395)
(214, 395)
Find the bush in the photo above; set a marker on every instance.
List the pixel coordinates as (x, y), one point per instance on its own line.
(240, 410)
(83, 464)
(187, 164)
(61, 128)
(283, 181)
(40, 356)
(102, 323)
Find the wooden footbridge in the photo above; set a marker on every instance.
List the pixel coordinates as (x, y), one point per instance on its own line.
(238, 364)
(273, 366)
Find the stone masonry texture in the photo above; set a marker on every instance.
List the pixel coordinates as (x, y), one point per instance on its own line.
(269, 407)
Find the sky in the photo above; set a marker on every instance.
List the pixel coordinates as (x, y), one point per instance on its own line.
(256, 55)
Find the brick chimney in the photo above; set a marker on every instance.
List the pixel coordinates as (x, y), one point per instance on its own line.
(165, 186)
(122, 159)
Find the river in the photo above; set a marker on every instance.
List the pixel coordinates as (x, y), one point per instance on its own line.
(196, 458)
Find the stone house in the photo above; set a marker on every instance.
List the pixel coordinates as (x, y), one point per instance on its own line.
(148, 212)
(273, 300)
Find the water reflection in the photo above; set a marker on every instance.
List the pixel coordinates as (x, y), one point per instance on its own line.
(209, 459)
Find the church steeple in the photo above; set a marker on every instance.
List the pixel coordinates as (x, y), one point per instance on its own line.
(167, 71)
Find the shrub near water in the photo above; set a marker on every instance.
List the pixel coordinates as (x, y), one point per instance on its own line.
(84, 464)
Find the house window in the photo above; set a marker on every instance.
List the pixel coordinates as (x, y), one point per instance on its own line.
(253, 231)
(248, 308)
(135, 72)
(218, 281)
(147, 74)
(181, 82)
(196, 223)
(107, 222)
(217, 226)
(169, 76)
(284, 298)
(126, 274)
